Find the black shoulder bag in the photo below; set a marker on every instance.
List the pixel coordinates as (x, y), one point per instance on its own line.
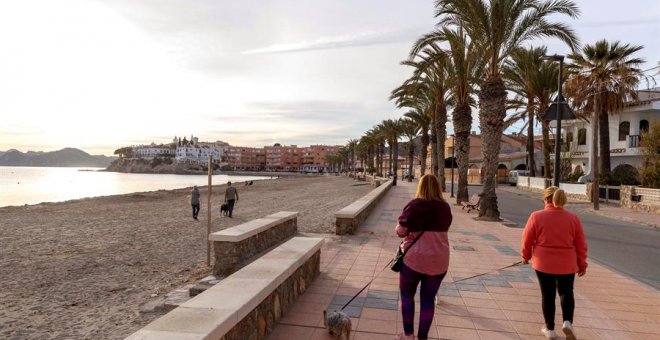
(397, 262)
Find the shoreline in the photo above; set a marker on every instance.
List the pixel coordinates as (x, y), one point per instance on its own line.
(82, 268)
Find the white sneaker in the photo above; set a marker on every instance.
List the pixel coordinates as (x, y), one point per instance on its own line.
(568, 330)
(550, 334)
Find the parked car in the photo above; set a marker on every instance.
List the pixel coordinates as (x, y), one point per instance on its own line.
(513, 175)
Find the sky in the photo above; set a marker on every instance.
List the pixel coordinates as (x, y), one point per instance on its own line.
(99, 75)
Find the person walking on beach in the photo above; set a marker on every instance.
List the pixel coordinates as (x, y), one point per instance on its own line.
(231, 196)
(194, 201)
(428, 218)
(554, 241)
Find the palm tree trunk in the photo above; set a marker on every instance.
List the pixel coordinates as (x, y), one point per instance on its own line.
(390, 166)
(411, 157)
(531, 164)
(462, 118)
(547, 167)
(376, 167)
(424, 152)
(395, 165)
(381, 146)
(434, 147)
(604, 147)
(492, 111)
(441, 134)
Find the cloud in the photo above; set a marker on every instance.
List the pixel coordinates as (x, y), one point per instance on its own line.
(367, 38)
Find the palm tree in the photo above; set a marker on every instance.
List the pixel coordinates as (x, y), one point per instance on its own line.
(410, 128)
(497, 27)
(464, 68)
(391, 132)
(351, 145)
(603, 76)
(533, 81)
(422, 121)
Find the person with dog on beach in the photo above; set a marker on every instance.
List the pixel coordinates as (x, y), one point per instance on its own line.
(555, 243)
(194, 201)
(231, 196)
(426, 260)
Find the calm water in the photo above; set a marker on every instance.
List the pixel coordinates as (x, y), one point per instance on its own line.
(32, 185)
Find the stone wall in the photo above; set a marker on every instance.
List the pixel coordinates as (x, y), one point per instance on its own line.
(347, 223)
(649, 199)
(261, 321)
(231, 256)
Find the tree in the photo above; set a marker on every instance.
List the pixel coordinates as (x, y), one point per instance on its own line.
(391, 132)
(125, 152)
(603, 76)
(650, 142)
(497, 27)
(351, 145)
(463, 68)
(410, 128)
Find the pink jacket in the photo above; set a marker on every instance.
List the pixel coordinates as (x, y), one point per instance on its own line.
(430, 254)
(554, 241)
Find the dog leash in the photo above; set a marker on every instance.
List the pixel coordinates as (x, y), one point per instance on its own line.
(492, 271)
(388, 264)
(367, 285)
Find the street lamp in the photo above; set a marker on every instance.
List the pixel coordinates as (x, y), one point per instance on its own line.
(559, 106)
(453, 142)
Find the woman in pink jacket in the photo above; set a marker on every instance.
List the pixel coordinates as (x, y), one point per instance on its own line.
(426, 260)
(554, 241)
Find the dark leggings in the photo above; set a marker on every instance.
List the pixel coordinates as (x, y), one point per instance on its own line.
(195, 208)
(408, 281)
(551, 284)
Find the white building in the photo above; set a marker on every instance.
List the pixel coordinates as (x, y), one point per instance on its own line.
(153, 150)
(625, 130)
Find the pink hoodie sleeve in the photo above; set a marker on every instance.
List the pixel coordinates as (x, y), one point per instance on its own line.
(528, 239)
(580, 245)
(401, 231)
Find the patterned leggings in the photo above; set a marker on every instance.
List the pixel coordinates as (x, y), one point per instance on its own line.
(408, 281)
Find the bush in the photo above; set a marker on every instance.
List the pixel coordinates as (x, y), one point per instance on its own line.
(650, 147)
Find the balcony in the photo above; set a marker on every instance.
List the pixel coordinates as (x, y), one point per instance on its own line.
(633, 141)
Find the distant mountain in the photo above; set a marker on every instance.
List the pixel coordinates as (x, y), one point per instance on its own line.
(61, 158)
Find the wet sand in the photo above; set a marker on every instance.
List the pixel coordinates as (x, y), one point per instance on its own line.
(81, 269)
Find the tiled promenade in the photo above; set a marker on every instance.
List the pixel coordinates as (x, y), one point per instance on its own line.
(502, 305)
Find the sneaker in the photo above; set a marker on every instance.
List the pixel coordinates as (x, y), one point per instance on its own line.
(549, 333)
(568, 330)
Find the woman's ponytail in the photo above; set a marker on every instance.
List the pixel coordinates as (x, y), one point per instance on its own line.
(559, 198)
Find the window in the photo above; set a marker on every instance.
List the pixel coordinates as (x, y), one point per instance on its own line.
(582, 136)
(643, 126)
(569, 137)
(624, 130)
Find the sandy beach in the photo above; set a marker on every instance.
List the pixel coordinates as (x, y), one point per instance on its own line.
(81, 269)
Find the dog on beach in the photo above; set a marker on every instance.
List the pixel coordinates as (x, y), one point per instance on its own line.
(338, 324)
(224, 209)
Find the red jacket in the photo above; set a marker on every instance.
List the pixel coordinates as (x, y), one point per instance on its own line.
(555, 242)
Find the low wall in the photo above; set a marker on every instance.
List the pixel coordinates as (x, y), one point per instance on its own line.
(648, 199)
(575, 191)
(349, 218)
(248, 304)
(234, 247)
(533, 184)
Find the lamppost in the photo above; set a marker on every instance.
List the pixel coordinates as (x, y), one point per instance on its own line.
(559, 105)
(453, 142)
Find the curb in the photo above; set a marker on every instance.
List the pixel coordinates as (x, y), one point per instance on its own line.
(624, 219)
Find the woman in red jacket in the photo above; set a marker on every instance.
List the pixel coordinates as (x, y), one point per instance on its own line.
(554, 241)
(428, 217)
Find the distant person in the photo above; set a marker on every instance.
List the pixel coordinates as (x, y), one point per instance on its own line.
(554, 241)
(424, 223)
(231, 196)
(194, 201)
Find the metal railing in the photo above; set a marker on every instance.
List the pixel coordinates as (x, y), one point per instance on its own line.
(633, 141)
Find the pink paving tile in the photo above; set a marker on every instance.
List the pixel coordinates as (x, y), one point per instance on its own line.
(480, 303)
(493, 325)
(519, 306)
(308, 307)
(453, 321)
(315, 298)
(476, 295)
(302, 319)
(530, 328)
(377, 326)
(457, 333)
(487, 313)
(452, 310)
(606, 334)
(320, 334)
(379, 314)
(494, 335)
(288, 332)
(513, 315)
(642, 327)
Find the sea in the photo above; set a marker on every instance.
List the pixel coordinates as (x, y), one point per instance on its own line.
(33, 185)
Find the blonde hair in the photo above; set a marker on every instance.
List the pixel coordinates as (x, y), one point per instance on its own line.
(429, 188)
(556, 195)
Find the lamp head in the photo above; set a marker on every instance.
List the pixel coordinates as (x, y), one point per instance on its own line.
(554, 57)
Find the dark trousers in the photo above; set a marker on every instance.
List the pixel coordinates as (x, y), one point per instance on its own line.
(195, 208)
(408, 281)
(550, 285)
(230, 207)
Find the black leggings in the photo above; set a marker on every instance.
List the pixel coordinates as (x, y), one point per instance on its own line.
(551, 284)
